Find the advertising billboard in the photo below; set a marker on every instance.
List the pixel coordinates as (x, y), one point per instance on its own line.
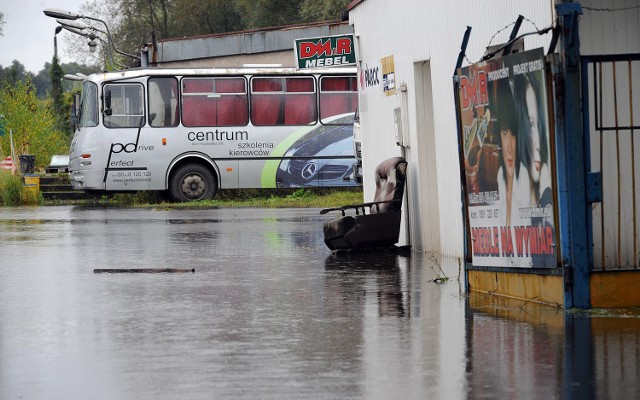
(506, 139)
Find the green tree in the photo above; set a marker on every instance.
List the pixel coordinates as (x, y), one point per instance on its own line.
(42, 80)
(1, 23)
(263, 13)
(313, 10)
(14, 74)
(192, 18)
(31, 123)
(57, 75)
(137, 19)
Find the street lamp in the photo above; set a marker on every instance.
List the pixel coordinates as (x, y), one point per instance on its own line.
(70, 16)
(73, 24)
(92, 41)
(72, 77)
(55, 41)
(78, 27)
(92, 46)
(57, 13)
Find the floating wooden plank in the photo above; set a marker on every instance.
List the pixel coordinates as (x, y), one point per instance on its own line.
(142, 270)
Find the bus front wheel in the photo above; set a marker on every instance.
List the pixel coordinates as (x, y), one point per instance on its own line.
(192, 182)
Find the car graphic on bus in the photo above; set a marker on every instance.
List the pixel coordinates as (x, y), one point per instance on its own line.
(307, 162)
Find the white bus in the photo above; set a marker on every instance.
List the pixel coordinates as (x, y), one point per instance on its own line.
(190, 132)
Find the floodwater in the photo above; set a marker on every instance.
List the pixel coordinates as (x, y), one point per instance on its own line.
(270, 313)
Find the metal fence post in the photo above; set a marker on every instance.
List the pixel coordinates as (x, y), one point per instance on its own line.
(571, 166)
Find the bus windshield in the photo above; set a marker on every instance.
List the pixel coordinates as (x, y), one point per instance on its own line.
(89, 105)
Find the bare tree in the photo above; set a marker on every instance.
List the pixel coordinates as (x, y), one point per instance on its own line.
(76, 46)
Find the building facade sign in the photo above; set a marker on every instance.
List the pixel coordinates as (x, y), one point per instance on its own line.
(369, 76)
(327, 51)
(507, 159)
(388, 76)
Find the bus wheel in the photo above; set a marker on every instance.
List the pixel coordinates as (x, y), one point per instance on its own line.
(192, 182)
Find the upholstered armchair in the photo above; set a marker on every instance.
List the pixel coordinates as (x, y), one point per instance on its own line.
(377, 223)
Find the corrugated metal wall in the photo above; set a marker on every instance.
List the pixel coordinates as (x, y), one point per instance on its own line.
(611, 28)
(614, 124)
(424, 39)
(266, 45)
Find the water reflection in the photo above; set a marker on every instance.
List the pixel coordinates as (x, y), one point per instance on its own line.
(543, 352)
(380, 274)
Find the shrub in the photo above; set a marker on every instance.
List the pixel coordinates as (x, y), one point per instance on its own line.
(31, 123)
(10, 189)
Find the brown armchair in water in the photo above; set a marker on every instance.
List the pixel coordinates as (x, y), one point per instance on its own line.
(381, 226)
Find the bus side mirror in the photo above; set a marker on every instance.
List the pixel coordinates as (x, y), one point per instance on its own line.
(107, 103)
(76, 109)
(76, 104)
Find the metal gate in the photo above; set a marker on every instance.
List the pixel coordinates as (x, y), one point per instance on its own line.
(611, 112)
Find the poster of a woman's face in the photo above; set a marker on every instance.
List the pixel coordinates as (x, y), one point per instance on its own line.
(511, 204)
(505, 120)
(532, 121)
(532, 107)
(508, 148)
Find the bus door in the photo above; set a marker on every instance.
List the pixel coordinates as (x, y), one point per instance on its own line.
(124, 117)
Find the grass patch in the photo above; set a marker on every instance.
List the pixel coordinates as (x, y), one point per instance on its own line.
(10, 189)
(133, 199)
(231, 198)
(302, 198)
(257, 198)
(14, 193)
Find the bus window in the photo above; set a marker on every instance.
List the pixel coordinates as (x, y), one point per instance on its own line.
(283, 101)
(233, 104)
(89, 105)
(214, 102)
(126, 106)
(338, 95)
(163, 102)
(300, 102)
(198, 107)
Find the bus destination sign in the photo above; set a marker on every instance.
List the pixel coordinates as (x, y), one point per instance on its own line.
(329, 51)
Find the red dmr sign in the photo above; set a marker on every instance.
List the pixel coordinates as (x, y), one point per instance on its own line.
(329, 51)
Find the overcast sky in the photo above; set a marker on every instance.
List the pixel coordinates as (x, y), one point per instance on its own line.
(28, 33)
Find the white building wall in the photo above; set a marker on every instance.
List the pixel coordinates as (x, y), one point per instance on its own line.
(424, 38)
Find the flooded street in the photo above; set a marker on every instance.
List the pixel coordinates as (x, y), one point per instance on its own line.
(270, 313)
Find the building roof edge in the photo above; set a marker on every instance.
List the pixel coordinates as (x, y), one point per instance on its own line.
(354, 4)
(258, 30)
